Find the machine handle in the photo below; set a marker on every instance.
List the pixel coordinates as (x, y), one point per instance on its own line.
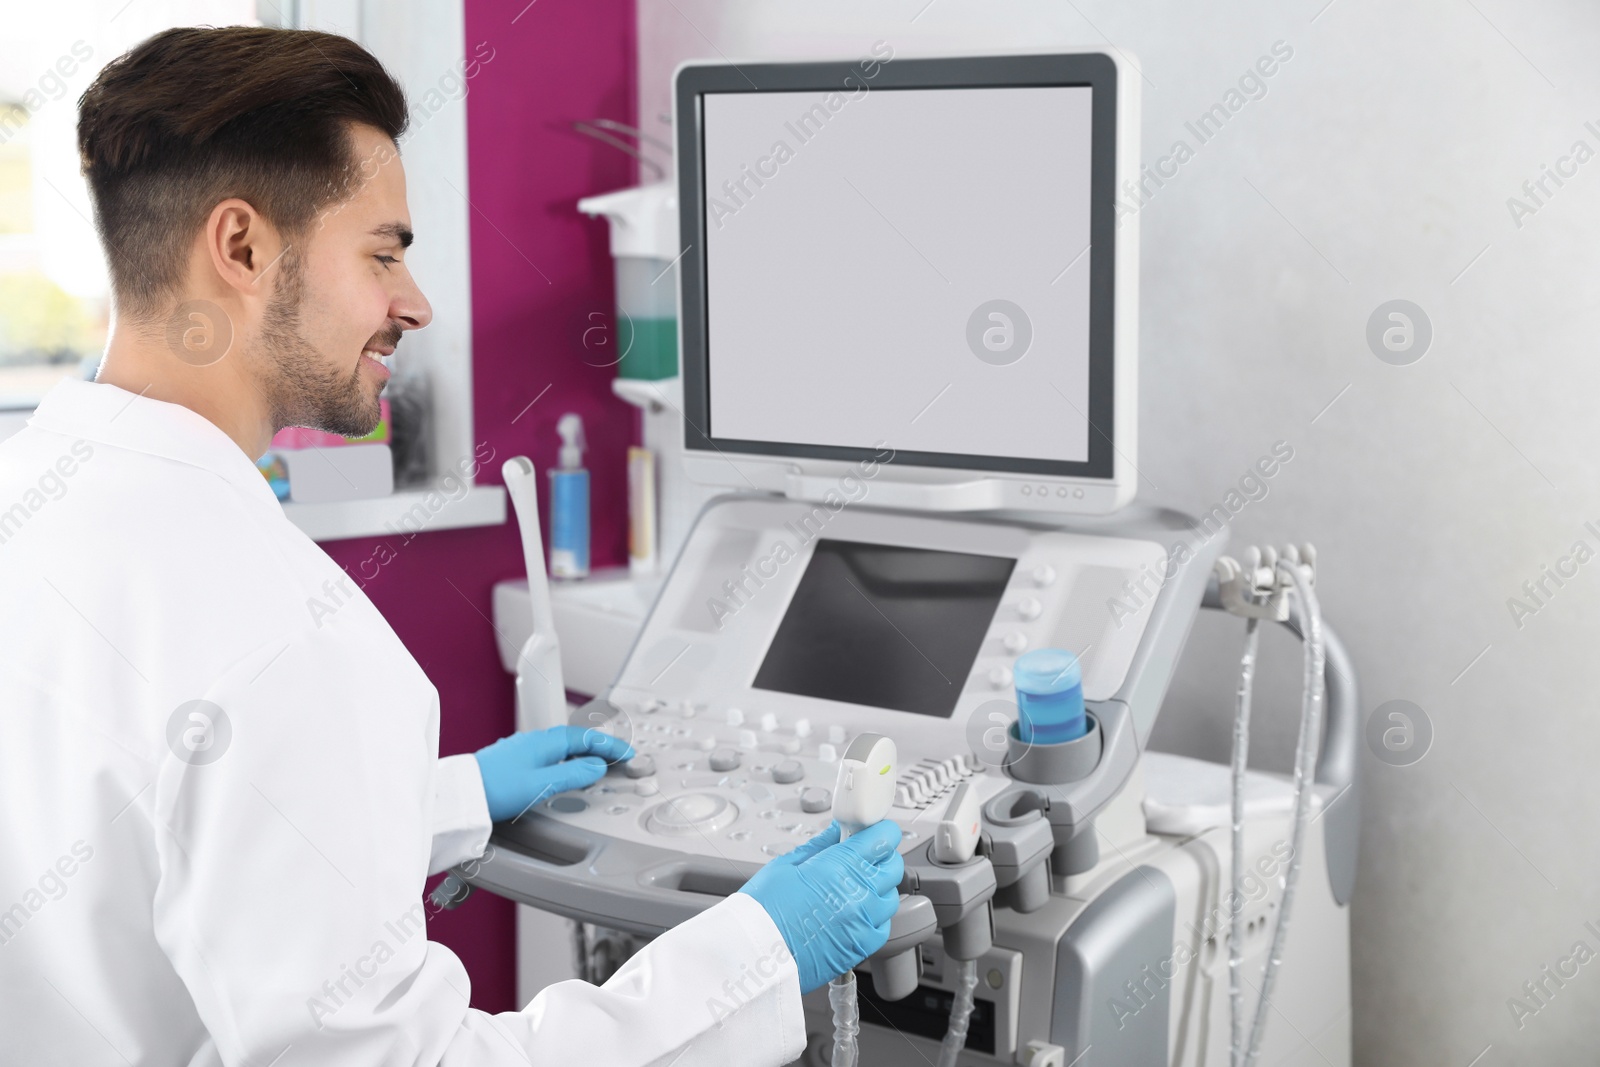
(618, 884)
(624, 885)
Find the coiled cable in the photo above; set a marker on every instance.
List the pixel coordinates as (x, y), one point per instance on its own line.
(1315, 661)
(1241, 761)
(955, 1038)
(846, 1019)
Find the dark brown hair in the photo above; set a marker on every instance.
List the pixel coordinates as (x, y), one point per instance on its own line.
(197, 115)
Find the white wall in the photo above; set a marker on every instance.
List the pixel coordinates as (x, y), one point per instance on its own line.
(1377, 166)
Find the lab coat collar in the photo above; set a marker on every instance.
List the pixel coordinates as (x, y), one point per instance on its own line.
(107, 414)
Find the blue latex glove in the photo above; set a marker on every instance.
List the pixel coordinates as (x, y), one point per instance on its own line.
(521, 770)
(832, 902)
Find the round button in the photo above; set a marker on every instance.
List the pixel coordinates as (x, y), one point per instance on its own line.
(706, 744)
(747, 739)
(691, 813)
(1044, 574)
(789, 746)
(568, 805)
(735, 717)
(1029, 607)
(647, 787)
(1015, 642)
(802, 727)
(815, 799)
(640, 767)
(788, 771)
(725, 759)
(999, 677)
(769, 722)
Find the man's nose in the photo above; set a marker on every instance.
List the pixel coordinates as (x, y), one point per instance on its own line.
(411, 310)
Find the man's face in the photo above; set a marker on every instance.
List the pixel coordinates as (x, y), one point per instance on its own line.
(343, 297)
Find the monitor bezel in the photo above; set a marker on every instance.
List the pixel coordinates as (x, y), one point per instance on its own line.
(1093, 70)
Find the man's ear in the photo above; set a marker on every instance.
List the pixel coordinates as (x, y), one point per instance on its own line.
(243, 247)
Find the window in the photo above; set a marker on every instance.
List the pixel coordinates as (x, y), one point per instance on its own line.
(53, 280)
(54, 304)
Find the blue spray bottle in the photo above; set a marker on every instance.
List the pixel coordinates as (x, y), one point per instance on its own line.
(569, 504)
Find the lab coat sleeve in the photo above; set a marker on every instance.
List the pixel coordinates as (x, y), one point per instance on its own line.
(681, 1000)
(460, 813)
(292, 859)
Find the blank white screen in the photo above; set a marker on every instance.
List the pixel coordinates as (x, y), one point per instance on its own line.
(851, 239)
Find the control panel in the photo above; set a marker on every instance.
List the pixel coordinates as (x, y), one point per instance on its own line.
(785, 629)
(724, 784)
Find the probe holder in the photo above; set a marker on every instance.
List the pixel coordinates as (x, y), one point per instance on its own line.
(897, 966)
(1071, 781)
(960, 893)
(1017, 840)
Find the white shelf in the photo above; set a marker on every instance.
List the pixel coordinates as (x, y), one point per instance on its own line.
(596, 620)
(400, 514)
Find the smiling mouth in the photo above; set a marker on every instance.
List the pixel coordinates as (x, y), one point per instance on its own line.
(383, 352)
(378, 357)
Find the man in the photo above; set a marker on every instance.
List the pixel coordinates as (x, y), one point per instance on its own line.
(216, 813)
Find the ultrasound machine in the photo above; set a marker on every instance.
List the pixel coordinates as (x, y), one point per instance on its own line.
(908, 329)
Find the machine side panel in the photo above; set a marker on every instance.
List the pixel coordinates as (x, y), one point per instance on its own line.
(1108, 1000)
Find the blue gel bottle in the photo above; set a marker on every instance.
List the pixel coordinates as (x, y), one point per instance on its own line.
(1049, 697)
(569, 504)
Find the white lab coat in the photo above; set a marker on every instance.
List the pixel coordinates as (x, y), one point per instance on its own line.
(263, 907)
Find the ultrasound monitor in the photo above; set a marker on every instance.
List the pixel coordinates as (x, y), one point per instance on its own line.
(918, 261)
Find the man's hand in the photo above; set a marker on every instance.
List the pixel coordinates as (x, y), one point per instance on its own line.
(832, 902)
(521, 770)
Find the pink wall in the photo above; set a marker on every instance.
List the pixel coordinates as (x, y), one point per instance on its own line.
(539, 269)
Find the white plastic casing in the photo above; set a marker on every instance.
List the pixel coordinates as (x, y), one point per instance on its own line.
(686, 655)
(956, 838)
(952, 489)
(864, 792)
